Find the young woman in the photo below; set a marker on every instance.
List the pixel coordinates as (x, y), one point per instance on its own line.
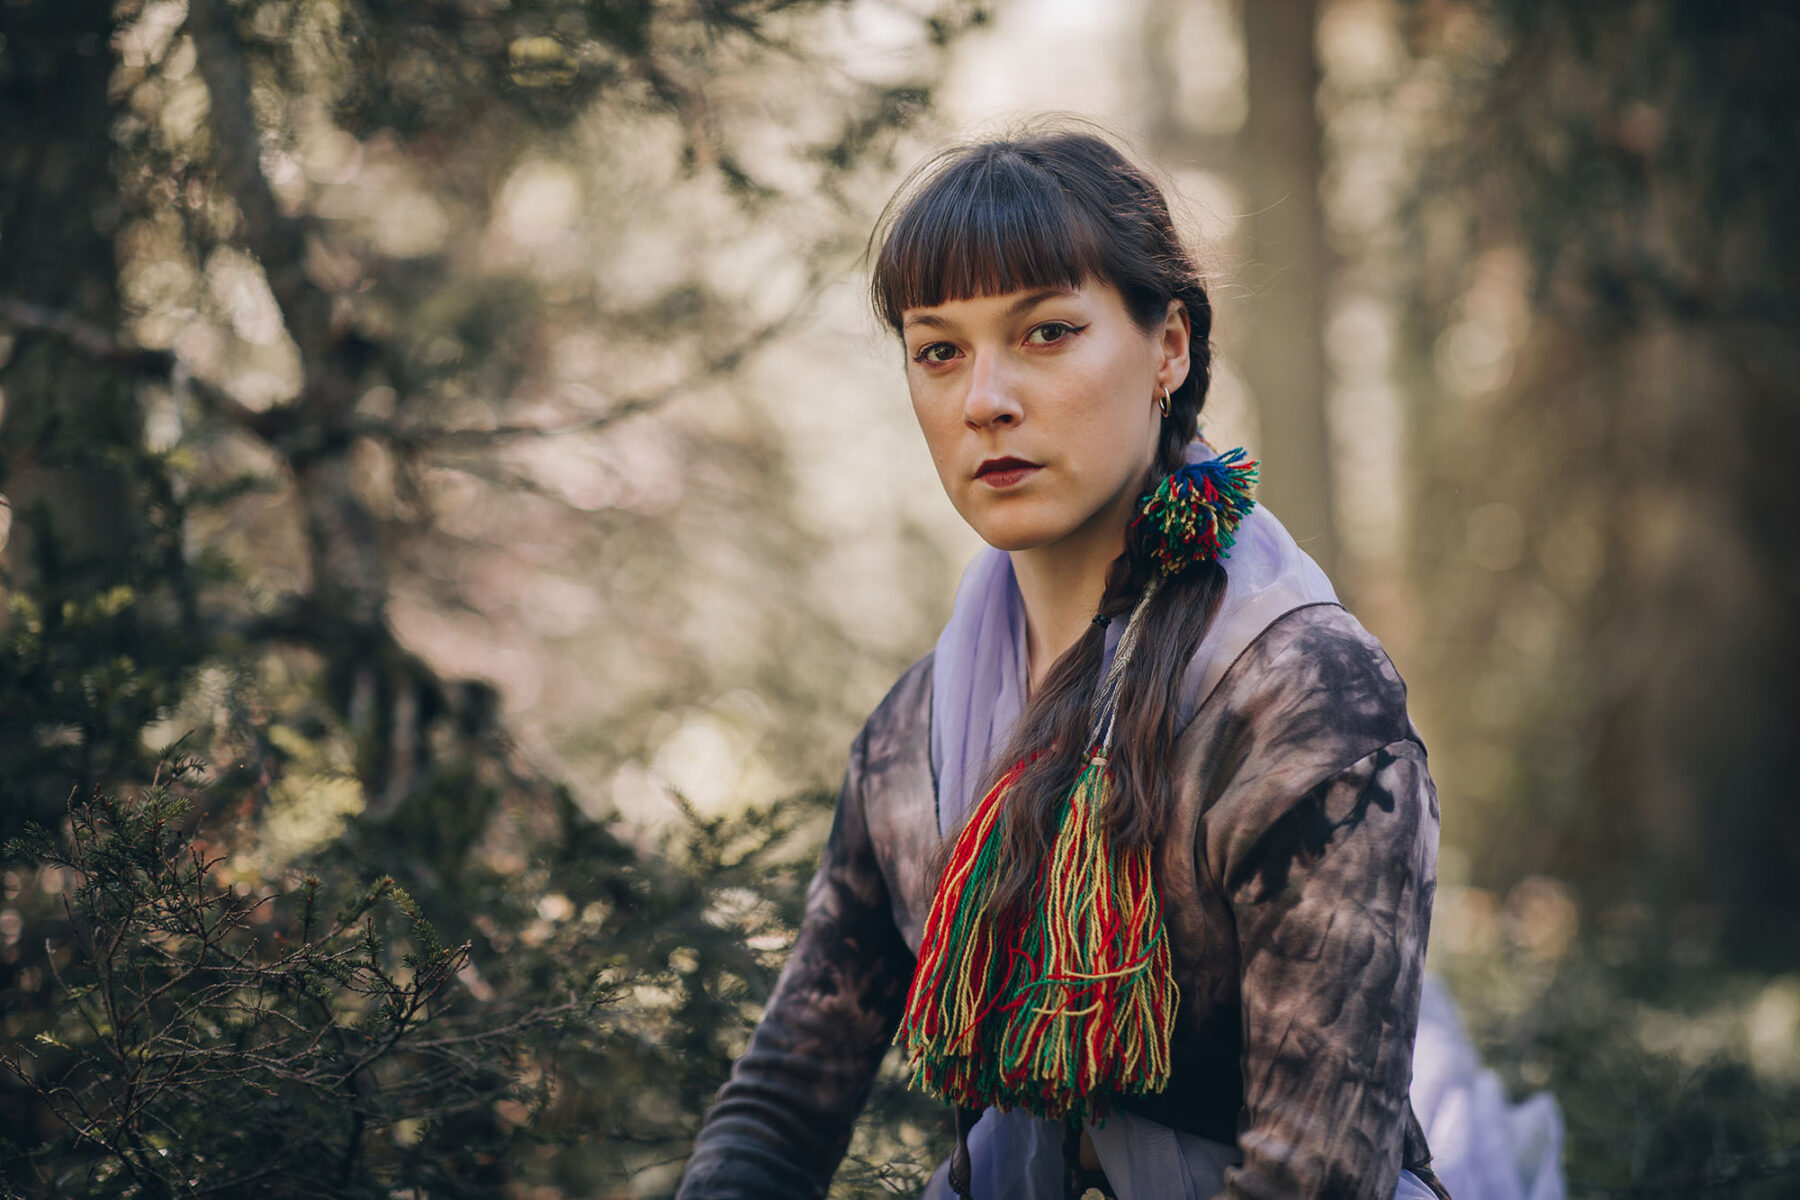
(1139, 861)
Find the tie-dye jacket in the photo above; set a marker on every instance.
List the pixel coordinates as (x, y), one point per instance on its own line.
(1297, 873)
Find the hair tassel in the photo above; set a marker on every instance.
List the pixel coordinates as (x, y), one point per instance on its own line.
(1056, 1010)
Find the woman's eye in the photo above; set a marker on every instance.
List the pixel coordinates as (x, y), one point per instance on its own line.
(936, 352)
(1051, 332)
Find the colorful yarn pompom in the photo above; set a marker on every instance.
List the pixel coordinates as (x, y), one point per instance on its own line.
(1056, 1008)
(1192, 515)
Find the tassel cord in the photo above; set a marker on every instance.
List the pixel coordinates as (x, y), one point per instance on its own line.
(1107, 716)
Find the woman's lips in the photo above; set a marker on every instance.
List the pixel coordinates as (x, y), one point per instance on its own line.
(1003, 473)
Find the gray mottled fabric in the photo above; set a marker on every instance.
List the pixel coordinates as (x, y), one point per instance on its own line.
(1297, 872)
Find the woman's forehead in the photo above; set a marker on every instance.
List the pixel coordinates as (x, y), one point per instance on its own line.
(1003, 305)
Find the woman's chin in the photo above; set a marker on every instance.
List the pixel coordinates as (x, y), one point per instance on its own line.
(1016, 535)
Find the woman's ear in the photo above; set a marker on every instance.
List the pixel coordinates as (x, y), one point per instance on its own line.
(1177, 332)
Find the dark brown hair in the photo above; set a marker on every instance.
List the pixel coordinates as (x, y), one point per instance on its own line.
(1058, 208)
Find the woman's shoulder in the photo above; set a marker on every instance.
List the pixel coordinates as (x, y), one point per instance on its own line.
(908, 699)
(1310, 697)
(898, 727)
(1311, 712)
(1313, 669)
(894, 793)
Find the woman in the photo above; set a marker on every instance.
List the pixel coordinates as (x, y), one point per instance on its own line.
(1154, 699)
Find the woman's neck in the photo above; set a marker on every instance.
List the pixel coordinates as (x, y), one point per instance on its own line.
(1062, 586)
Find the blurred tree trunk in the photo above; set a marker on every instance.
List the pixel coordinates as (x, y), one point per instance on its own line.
(69, 422)
(372, 681)
(66, 400)
(1175, 138)
(1284, 356)
(1606, 300)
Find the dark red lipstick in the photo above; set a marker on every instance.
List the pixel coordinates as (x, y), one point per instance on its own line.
(1005, 472)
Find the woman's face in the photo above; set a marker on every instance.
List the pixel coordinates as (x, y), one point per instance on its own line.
(1040, 408)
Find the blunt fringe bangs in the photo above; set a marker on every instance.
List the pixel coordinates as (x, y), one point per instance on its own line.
(1000, 217)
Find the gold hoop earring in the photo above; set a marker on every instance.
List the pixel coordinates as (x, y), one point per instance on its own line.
(1162, 401)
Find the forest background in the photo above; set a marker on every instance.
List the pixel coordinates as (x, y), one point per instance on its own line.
(458, 511)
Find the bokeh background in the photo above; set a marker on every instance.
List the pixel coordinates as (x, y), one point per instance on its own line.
(448, 461)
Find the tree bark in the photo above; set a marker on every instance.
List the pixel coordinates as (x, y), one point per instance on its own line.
(64, 404)
(1284, 357)
(347, 593)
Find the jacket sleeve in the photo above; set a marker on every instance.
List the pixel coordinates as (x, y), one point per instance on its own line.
(782, 1122)
(1332, 904)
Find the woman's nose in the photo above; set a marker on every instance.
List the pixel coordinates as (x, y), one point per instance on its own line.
(992, 398)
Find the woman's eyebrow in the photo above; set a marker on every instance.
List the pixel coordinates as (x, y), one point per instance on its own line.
(1023, 304)
(1030, 301)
